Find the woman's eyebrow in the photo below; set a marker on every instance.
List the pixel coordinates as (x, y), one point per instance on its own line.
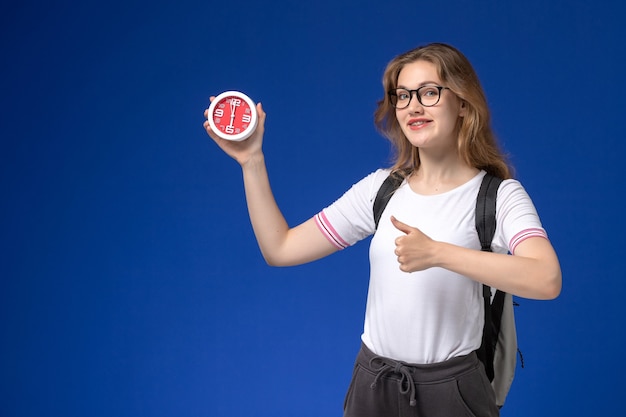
(420, 85)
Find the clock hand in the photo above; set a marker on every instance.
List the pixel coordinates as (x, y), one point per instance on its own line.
(232, 112)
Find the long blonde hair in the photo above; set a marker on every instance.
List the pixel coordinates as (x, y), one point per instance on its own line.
(477, 144)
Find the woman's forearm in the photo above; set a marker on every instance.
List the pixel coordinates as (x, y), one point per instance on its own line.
(533, 272)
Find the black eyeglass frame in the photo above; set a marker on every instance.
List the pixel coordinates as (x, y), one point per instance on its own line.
(393, 93)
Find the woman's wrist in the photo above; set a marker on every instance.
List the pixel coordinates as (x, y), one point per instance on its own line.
(253, 162)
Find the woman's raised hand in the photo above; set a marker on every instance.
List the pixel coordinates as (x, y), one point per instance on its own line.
(242, 151)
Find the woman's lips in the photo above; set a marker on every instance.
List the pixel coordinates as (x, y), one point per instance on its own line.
(415, 124)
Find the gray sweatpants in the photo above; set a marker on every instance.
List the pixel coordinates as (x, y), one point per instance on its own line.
(383, 387)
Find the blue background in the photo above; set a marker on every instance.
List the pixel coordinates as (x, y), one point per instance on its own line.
(131, 283)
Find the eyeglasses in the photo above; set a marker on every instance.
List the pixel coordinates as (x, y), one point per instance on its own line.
(427, 95)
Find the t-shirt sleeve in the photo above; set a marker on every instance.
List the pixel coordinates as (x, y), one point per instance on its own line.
(350, 218)
(516, 217)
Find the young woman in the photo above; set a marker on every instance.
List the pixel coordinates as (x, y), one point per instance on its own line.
(424, 313)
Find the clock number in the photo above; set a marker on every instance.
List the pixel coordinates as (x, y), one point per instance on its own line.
(229, 129)
(219, 112)
(235, 102)
(246, 118)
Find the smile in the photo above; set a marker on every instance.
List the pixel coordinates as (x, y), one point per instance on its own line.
(418, 122)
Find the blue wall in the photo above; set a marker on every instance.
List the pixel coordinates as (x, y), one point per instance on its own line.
(130, 281)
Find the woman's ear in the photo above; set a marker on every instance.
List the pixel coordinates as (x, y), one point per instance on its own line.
(463, 109)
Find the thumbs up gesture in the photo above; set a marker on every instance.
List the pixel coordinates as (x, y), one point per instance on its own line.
(415, 250)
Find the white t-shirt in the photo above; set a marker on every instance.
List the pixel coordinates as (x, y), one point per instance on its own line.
(433, 315)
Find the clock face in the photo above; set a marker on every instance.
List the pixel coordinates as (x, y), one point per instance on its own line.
(232, 116)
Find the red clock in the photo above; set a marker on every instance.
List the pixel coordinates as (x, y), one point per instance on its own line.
(232, 116)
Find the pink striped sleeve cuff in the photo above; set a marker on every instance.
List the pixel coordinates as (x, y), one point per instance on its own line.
(525, 234)
(327, 229)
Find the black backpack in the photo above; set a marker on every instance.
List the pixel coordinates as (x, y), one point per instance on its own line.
(498, 351)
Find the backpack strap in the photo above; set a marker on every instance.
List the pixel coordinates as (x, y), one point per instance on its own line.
(486, 210)
(486, 228)
(386, 190)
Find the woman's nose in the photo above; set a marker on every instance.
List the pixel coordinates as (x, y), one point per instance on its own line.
(414, 105)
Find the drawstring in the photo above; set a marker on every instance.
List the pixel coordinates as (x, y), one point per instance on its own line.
(405, 385)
